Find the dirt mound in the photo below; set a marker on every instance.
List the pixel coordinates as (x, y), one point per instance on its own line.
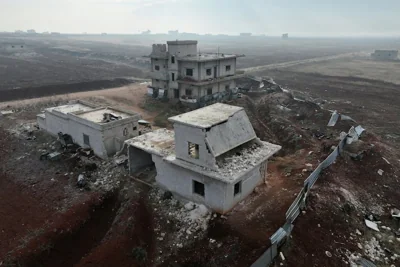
(295, 124)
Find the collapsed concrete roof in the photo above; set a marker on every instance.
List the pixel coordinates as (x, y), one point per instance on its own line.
(206, 117)
(232, 167)
(226, 126)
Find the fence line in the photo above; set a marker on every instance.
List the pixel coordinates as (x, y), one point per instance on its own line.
(281, 235)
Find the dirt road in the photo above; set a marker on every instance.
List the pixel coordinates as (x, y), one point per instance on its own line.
(298, 62)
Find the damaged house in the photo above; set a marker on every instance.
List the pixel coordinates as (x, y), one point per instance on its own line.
(213, 156)
(103, 129)
(180, 72)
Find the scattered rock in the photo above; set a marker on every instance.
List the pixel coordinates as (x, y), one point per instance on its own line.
(380, 172)
(189, 206)
(327, 253)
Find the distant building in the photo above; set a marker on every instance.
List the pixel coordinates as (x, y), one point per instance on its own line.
(31, 31)
(12, 47)
(285, 36)
(245, 34)
(213, 156)
(173, 32)
(181, 73)
(146, 32)
(385, 55)
(55, 33)
(104, 130)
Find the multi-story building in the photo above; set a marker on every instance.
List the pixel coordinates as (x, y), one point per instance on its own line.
(180, 72)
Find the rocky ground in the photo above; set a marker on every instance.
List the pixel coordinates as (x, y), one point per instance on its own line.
(114, 219)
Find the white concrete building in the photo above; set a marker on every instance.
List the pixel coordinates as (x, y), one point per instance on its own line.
(180, 72)
(385, 55)
(102, 129)
(213, 156)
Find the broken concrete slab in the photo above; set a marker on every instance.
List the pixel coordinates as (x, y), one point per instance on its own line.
(372, 225)
(6, 112)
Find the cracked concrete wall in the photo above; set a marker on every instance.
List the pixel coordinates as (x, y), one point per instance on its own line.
(138, 159)
(185, 134)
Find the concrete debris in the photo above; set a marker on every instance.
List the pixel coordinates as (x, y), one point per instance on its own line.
(372, 225)
(334, 119)
(107, 117)
(192, 219)
(189, 206)
(283, 108)
(386, 160)
(380, 172)
(81, 181)
(245, 159)
(281, 256)
(65, 139)
(365, 263)
(121, 159)
(358, 232)
(327, 253)
(6, 112)
(395, 213)
(373, 250)
(359, 130)
(346, 118)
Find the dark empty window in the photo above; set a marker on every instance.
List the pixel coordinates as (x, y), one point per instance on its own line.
(188, 92)
(226, 87)
(198, 188)
(237, 188)
(156, 67)
(228, 68)
(209, 91)
(134, 128)
(189, 72)
(173, 60)
(173, 76)
(208, 72)
(86, 140)
(176, 93)
(193, 150)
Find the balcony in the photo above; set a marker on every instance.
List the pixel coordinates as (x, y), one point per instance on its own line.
(191, 81)
(159, 75)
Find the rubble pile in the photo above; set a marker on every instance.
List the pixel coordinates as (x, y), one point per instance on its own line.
(189, 221)
(244, 158)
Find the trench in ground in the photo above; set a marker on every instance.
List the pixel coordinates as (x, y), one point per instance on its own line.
(70, 249)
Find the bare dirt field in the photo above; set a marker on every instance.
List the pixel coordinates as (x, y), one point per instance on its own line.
(117, 220)
(387, 71)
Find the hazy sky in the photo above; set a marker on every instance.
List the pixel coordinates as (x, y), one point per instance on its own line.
(271, 17)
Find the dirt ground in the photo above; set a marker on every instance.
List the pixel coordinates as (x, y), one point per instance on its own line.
(387, 71)
(118, 220)
(99, 227)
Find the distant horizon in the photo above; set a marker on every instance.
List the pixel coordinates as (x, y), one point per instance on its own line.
(311, 18)
(205, 34)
